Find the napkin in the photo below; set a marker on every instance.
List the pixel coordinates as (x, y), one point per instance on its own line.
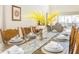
(16, 39)
(67, 32)
(54, 30)
(14, 50)
(31, 35)
(61, 37)
(53, 47)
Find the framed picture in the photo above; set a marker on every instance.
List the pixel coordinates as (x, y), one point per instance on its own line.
(16, 13)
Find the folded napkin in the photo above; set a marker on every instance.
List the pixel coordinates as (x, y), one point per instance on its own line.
(31, 35)
(14, 50)
(53, 47)
(67, 32)
(16, 39)
(61, 37)
(40, 27)
(54, 30)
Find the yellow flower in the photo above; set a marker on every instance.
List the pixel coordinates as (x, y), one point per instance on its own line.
(39, 17)
(51, 17)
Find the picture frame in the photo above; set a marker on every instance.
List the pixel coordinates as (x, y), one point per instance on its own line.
(16, 13)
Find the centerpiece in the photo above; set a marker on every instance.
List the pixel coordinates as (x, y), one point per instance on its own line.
(44, 20)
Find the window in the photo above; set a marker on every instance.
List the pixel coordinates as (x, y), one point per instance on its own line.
(68, 19)
(61, 19)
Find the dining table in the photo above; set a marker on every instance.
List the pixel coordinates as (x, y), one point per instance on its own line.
(34, 46)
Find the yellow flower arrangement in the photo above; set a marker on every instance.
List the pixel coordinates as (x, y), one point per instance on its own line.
(39, 17)
(51, 17)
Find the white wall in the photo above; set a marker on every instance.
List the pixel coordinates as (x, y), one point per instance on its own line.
(1, 16)
(1, 26)
(25, 10)
(65, 9)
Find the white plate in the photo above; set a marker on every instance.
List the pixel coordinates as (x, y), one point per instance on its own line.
(53, 47)
(63, 52)
(17, 43)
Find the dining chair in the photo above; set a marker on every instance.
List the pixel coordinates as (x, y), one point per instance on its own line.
(27, 30)
(35, 30)
(72, 39)
(76, 49)
(23, 32)
(8, 34)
